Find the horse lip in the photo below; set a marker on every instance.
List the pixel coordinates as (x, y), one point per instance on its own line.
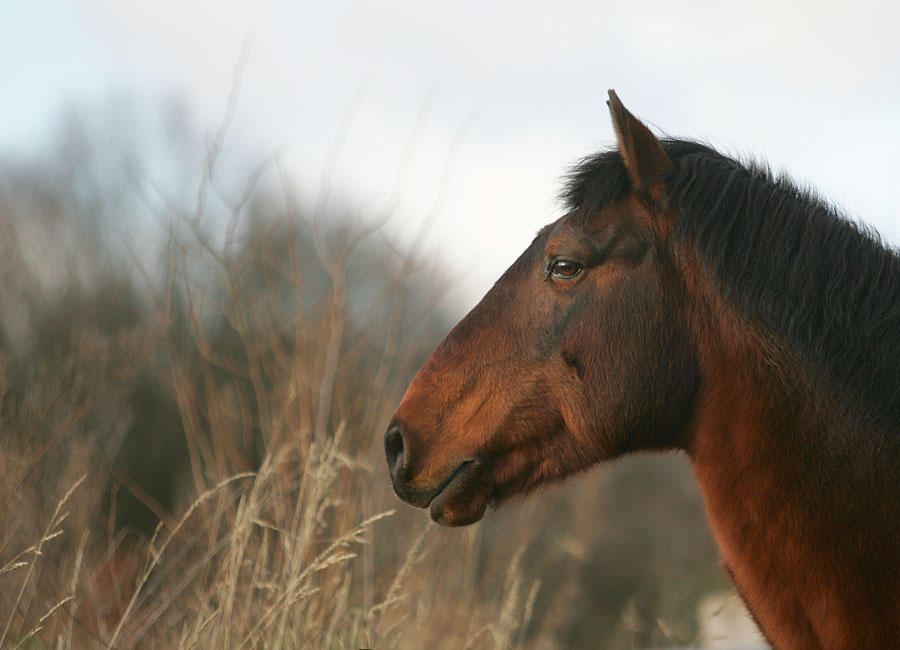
(423, 497)
(462, 483)
(462, 470)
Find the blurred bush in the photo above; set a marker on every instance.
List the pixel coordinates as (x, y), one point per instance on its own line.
(218, 361)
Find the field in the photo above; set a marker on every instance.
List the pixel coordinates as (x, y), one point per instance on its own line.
(196, 370)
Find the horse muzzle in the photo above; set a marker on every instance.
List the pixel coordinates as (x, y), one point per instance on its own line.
(449, 497)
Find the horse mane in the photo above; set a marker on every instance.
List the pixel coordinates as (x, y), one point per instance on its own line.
(786, 260)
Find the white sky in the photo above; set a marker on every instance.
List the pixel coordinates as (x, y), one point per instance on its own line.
(812, 86)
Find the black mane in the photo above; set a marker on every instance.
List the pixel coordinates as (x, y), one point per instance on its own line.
(789, 262)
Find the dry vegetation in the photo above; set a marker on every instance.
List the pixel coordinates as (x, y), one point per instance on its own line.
(190, 454)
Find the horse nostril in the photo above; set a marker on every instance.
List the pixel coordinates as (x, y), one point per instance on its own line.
(393, 448)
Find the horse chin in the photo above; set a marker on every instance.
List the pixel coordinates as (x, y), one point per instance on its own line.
(464, 499)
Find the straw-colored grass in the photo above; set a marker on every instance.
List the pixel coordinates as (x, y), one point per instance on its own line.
(275, 346)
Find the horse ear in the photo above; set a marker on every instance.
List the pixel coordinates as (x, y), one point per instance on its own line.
(643, 154)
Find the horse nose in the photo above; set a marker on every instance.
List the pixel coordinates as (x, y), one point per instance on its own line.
(393, 449)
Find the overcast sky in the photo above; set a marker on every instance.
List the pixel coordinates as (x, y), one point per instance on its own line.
(505, 95)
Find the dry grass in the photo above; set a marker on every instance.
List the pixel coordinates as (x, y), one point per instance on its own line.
(282, 346)
(259, 560)
(263, 559)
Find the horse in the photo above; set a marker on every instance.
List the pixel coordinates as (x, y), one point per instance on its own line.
(688, 301)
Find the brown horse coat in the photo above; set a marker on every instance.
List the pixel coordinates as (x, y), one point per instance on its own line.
(690, 302)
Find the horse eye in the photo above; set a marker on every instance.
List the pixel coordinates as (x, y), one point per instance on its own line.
(565, 269)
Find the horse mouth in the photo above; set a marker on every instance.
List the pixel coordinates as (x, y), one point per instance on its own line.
(462, 499)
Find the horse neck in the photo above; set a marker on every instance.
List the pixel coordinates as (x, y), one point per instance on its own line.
(787, 494)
